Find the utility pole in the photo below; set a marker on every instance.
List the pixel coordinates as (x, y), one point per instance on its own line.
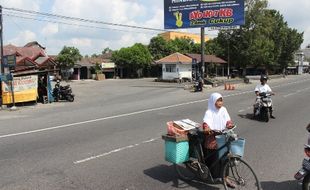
(202, 52)
(1, 52)
(1, 42)
(228, 60)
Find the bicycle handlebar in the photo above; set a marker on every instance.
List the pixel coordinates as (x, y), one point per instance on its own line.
(225, 131)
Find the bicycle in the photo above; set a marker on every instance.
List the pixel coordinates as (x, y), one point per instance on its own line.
(234, 167)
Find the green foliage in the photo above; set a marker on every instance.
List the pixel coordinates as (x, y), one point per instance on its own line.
(68, 56)
(292, 42)
(212, 47)
(264, 41)
(107, 50)
(158, 48)
(133, 58)
(181, 45)
(97, 69)
(94, 55)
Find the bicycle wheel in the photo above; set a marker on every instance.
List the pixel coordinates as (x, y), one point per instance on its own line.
(188, 170)
(306, 183)
(240, 173)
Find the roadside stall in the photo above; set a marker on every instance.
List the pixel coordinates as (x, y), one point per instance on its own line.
(31, 86)
(24, 89)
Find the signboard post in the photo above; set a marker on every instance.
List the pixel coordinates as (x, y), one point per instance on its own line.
(9, 61)
(12, 90)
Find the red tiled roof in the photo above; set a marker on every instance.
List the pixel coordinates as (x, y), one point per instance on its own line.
(208, 58)
(175, 58)
(33, 54)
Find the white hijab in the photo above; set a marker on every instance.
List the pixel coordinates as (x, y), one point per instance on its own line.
(214, 117)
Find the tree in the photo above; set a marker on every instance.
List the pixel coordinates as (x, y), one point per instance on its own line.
(94, 55)
(292, 43)
(68, 56)
(134, 58)
(107, 50)
(212, 47)
(158, 48)
(264, 41)
(181, 45)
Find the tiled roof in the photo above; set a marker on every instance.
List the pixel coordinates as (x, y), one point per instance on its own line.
(34, 43)
(85, 63)
(175, 58)
(208, 58)
(106, 55)
(31, 52)
(45, 61)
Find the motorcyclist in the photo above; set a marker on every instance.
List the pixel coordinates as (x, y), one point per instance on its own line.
(57, 85)
(56, 90)
(264, 87)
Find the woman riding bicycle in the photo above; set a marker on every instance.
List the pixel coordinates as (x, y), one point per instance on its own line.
(215, 120)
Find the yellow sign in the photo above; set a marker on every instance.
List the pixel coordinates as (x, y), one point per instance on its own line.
(25, 89)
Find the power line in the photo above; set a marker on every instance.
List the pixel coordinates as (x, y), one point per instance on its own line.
(14, 22)
(83, 20)
(36, 13)
(71, 24)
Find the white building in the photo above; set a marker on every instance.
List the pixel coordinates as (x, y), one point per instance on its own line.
(176, 66)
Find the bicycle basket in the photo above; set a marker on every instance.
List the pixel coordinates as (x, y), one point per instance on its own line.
(237, 147)
(176, 149)
(221, 141)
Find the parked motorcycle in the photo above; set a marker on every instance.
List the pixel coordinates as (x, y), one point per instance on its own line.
(303, 174)
(63, 93)
(262, 106)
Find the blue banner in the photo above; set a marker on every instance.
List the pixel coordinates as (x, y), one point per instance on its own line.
(203, 13)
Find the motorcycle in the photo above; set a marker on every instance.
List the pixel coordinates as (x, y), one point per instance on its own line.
(303, 174)
(262, 106)
(198, 86)
(63, 93)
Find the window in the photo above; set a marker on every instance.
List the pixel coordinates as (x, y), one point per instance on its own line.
(171, 68)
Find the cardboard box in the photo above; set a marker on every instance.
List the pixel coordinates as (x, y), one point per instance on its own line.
(185, 124)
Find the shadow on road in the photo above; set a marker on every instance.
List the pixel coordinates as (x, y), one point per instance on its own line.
(286, 185)
(250, 116)
(167, 174)
(247, 116)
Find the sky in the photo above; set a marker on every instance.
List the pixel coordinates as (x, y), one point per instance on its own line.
(93, 38)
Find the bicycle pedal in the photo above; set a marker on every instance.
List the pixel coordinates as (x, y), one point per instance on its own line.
(204, 172)
(218, 180)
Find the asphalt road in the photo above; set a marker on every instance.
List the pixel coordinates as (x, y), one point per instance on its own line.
(110, 137)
